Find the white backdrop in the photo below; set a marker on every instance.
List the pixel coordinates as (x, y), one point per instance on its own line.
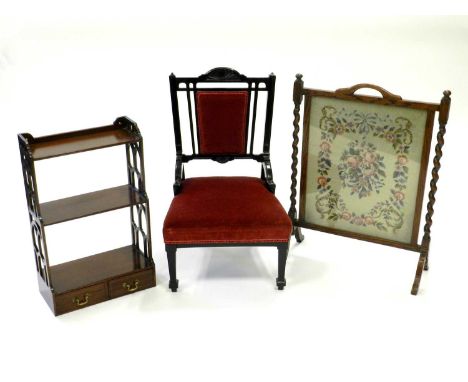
(346, 313)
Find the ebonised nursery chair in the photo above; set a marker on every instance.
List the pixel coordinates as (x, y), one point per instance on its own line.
(224, 211)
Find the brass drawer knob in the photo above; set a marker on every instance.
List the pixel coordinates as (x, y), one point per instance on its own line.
(81, 302)
(131, 288)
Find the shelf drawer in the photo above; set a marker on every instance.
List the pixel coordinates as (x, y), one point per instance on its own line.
(131, 283)
(80, 298)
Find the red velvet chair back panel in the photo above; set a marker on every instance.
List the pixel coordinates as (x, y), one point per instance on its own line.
(222, 118)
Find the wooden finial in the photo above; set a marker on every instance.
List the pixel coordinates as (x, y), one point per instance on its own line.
(444, 107)
(298, 87)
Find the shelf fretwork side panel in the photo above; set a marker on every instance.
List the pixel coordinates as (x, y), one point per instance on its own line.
(140, 213)
(135, 167)
(36, 225)
(141, 237)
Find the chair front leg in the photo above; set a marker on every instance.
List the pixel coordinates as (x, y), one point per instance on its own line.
(171, 262)
(283, 250)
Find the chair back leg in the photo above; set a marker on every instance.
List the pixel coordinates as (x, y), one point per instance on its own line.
(298, 234)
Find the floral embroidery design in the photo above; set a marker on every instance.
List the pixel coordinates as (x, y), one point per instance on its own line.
(361, 168)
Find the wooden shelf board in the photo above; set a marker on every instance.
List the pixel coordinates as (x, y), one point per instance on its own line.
(91, 203)
(75, 142)
(97, 268)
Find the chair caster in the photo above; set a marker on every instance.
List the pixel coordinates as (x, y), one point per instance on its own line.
(280, 284)
(173, 285)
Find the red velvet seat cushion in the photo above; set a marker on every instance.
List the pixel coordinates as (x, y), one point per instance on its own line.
(222, 117)
(225, 210)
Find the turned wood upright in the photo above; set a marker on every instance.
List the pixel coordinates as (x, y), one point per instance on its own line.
(297, 99)
(423, 262)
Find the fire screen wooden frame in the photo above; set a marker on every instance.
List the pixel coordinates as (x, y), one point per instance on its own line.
(364, 163)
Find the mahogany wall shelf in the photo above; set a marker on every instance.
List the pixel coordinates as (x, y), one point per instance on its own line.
(87, 281)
